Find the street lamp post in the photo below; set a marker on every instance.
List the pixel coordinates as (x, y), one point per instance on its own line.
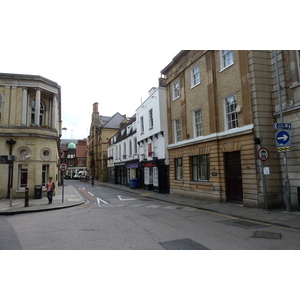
(10, 142)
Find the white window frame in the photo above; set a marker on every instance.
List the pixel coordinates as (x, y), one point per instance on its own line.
(130, 147)
(41, 112)
(124, 148)
(142, 125)
(177, 130)
(135, 146)
(151, 123)
(226, 59)
(231, 116)
(195, 76)
(176, 90)
(198, 126)
(148, 175)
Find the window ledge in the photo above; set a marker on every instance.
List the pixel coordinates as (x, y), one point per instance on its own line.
(226, 67)
(195, 85)
(200, 182)
(178, 181)
(295, 85)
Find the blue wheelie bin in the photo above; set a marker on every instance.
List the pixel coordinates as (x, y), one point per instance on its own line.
(133, 183)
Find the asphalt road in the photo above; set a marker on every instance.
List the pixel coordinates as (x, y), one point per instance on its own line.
(113, 219)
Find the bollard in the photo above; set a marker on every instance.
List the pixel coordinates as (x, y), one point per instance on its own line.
(298, 192)
(26, 196)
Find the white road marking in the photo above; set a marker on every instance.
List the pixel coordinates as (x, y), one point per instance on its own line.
(91, 193)
(153, 206)
(101, 200)
(125, 199)
(170, 207)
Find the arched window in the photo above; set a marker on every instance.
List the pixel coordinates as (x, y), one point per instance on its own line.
(33, 112)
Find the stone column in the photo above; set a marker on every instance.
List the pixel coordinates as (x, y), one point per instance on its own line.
(37, 107)
(24, 107)
(54, 111)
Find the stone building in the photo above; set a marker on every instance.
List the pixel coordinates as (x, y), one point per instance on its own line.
(30, 130)
(219, 104)
(101, 130)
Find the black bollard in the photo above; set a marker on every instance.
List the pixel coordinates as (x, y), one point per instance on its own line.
(26, 196)
(298, 192)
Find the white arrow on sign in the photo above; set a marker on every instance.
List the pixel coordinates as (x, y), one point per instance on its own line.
(284, 137)
(125, 199)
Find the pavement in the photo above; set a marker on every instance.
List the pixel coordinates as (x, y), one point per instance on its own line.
(72, 197)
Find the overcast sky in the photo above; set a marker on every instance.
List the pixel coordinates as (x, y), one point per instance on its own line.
(110, 52)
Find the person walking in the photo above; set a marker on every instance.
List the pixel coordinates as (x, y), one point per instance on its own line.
(92, 180)
(50, 186)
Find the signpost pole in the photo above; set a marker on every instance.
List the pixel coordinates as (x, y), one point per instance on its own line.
(263, 155)
(264, 184)
(287, 183)
(63, 186)
(63, 168)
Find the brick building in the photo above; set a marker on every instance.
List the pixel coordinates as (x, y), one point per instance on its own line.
(74, 153)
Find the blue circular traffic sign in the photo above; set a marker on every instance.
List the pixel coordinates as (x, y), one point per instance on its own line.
(283, 138)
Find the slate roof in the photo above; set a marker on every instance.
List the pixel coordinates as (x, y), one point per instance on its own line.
(112, 122)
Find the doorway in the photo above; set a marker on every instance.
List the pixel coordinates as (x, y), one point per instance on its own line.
(233, 171)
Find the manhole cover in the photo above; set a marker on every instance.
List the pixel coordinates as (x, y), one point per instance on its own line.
(183, 244)
(267, 235)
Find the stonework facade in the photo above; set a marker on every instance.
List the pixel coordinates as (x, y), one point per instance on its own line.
(30, 129)
(219, 103)
(101, 130)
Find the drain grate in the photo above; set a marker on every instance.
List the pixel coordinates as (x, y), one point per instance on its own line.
(242, 224)
(267, 235)
(182, 244)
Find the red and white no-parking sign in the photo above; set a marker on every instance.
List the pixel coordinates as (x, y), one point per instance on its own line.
(263, 154)
(63, 167)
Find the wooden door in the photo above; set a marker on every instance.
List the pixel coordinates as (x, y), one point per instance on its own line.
(233, 171)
